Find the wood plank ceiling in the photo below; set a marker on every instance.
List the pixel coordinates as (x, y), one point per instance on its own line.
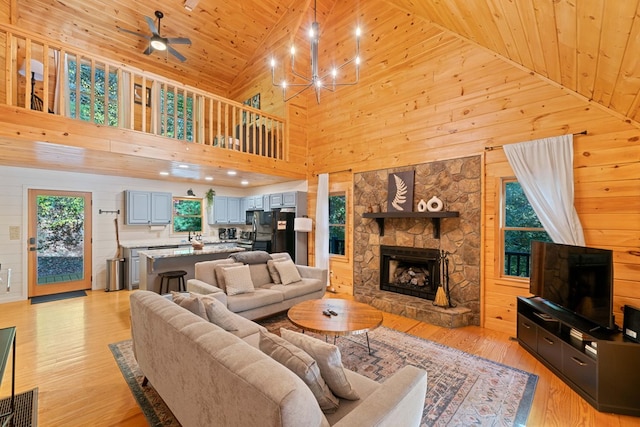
(590, 47)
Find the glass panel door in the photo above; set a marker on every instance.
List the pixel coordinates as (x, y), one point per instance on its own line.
(59, 241)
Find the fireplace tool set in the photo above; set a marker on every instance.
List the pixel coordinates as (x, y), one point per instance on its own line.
(443, 297)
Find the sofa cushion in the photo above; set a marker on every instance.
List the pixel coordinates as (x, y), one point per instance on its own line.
(273, 272)
(251, 257)
(302, 365)
(219, 273)
(205, 270)
(260, 274)
(297, 289)
(259, 298)
(288, 272)
(329, 361)
(190, 302)
(237, 280)
(218, 313)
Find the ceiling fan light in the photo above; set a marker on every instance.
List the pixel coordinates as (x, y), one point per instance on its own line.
(158, 43)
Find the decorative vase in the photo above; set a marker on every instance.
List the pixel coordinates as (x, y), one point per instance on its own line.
(434, 204)
(422, 205)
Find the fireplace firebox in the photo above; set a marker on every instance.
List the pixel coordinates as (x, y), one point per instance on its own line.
(410, 271)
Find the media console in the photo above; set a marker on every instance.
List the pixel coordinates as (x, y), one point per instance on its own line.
(608, 380)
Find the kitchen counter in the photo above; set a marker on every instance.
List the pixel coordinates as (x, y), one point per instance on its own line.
(155, 261)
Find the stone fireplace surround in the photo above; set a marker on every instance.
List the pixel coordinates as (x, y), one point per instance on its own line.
(457, 183)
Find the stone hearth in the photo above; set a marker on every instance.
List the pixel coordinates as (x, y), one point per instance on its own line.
(457, 183)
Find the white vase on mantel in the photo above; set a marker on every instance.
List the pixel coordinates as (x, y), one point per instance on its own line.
(434, 204)
(422, 206)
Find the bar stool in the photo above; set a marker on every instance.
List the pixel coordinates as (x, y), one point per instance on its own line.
(176, 274)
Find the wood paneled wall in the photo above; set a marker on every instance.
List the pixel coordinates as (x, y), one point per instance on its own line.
(425, 95)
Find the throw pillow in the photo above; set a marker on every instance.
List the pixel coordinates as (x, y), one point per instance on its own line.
(329, 361)
(288, 272)
(218, 314)
(273, 272)
(238, 280)
(191, 303)
(219, 272)
(302, 365)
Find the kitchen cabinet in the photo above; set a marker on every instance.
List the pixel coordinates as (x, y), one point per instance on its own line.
(283, 200)
(227, 210)
(148, 207)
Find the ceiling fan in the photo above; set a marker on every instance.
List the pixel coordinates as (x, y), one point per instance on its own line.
(156, 41)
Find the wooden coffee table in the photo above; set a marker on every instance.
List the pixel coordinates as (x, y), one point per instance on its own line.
(352, 317)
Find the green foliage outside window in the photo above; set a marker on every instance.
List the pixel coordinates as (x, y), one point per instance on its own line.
(337, 223)
(521, 226)
(60, 225)
(80, 100)
(187, 215)
(174, 122)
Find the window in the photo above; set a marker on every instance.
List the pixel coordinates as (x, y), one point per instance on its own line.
(520, 226)
(337, 223)
(187, 215)
(176, 115)
(80, 88)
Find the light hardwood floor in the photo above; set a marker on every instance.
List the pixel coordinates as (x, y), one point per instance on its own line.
(62, 350)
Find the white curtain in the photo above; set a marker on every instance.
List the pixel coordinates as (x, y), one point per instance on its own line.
(322, 223)
(544, 169)
(61, 96)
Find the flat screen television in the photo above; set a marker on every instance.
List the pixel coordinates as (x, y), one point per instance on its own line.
(576, 278)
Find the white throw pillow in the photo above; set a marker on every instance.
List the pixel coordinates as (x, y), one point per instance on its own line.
(218, 314)
(219, 272)
(329, 361)
(275, 276)
(302, 365)
(191, 303)
(288, 272)
(238, 280)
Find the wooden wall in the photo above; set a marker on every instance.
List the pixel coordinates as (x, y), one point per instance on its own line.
(426, 94)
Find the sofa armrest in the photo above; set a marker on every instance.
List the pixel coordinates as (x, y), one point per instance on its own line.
(307, 272)
(200, 287)
(399, 401)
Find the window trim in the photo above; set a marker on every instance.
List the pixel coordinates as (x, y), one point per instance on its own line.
(173, 214)
(345, 225)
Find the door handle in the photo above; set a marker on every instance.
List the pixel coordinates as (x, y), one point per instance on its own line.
(32, 240)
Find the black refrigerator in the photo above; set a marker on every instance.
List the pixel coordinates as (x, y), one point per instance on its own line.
(273, 231)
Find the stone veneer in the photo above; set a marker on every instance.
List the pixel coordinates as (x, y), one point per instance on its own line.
(457, 183)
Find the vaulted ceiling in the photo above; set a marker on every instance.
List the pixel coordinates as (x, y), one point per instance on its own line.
(591, 47)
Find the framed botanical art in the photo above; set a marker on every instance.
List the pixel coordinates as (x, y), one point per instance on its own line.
(400, 192)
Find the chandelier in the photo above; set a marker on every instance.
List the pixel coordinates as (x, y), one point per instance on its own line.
(327, 81)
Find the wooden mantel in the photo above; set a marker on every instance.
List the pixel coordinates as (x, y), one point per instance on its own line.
(435, 217)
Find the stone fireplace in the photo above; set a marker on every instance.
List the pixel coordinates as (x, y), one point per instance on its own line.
(409, 291)
(410, 271)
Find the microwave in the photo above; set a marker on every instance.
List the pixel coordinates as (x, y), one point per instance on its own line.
(249, 217)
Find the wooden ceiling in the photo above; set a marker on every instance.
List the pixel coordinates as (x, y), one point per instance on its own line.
(590, 47)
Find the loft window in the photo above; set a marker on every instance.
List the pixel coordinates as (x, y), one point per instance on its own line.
(93, 95)
(176, 114)
(337, 223)
(187, 215)
(520, 225)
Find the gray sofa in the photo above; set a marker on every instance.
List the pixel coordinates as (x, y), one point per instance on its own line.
(268, 297)
(208, 376)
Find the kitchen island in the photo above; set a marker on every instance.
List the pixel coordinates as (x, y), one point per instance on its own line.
(155, 261)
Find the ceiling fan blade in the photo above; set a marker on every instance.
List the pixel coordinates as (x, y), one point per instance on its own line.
(135, 33)
(178, 40)
(176, 54)
(152, 26)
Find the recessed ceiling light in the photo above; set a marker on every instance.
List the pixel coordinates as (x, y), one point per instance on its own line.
(164, 173)
(183, 166)
(244, 182)
(208, 178)
(232, 173)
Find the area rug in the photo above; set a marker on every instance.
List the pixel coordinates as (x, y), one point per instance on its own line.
(58, 297)
(463, 389)
(26, 409)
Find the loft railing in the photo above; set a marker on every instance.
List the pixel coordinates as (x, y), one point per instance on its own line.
(56, 79)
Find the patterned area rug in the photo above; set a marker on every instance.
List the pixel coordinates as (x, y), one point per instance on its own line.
(463, 390)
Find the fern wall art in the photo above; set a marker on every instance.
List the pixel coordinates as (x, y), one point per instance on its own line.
(400, 193)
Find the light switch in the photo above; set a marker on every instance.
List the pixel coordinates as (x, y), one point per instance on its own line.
(14, 232)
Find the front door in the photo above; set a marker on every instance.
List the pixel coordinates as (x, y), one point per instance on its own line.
(59, 242)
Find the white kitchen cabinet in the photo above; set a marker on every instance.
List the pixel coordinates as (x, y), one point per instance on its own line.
(148, 208)
(233, 210)
(283, 200)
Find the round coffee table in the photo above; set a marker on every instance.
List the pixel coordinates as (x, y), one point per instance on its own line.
(351, 317)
